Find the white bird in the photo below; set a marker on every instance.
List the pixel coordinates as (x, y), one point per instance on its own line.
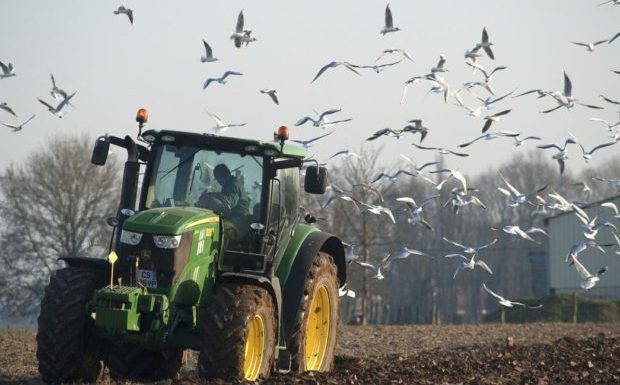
(456, 174)
(610, 126)
(59, 109)
(486, 44)
(489, 119)
(486, 83)
(389, 22)
(415, 211)
(241, 35)
(516, 230)
(562, 153)
(404, 53)
(379, 67)
(19, 127)
(7, 70)
(220, 125)
(590, 225)
(588, 281)
(490, 136)
(441, 150)
(337, 193)
(345, 153)
(349, 254)
(613, 207)
(440, 67)
(4, 106)
(221, 79)
(208, 53)
(391, 177)
(377, 270)
(504, 302)
(470, 249)
(519, 142)
(578, 248)
(334, 64)
(516, 198)
(587, 155)
(125, 11)
(308, 143)
(385, 132)
(378, 210)
(565, 98)
(468, 263)
(418, 170)
(590, 46)
(343, 291)
(57, 92)
(321, 120)
(460, 198)
(415, 79)
(272, 94)
(403, 253)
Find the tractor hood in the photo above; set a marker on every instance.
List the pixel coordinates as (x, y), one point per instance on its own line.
(169, 220)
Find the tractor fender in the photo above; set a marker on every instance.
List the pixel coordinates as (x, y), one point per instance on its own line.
(293, 289)
(88, 262)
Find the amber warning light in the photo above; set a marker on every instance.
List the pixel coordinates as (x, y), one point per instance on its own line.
(142, 116)
(283, 133)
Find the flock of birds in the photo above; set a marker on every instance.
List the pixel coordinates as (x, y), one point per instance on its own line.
(459, 197)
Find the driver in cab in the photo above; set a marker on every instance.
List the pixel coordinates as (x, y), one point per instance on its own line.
(231, 201)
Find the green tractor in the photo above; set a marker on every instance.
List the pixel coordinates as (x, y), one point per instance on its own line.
(211, 254)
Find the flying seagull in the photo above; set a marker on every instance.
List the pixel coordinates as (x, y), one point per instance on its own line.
(404, 53)
(125, 11)
(208, 53)
(19, 127)
(504, 302)
(345, 153)
(587, 155)
(489, 119)
(4, 106)
(308, 143)
(415, 211)
(590, 46)
(566, 98)
(335, 64)
(220, 125)
(588, 281)
(241, 35)
(58, 110)
(441, 150)
(377, 270)
(490, 136)
(385, 132)
(561, 155)
(416, 127)
(378, 67)
(7, 70)
(221, 79)
(519, 142)
(486, 44)
(57, 92)
(389, 22)
(516, 198)
(468, 263)
(320, 121)
(400, 254)
(272, 94)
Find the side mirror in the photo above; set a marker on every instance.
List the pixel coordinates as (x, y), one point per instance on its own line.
(316, 180)
(100, 152)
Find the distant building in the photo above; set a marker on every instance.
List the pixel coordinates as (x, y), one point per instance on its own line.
(566, 230)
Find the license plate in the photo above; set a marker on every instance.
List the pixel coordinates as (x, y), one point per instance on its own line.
(147, 278)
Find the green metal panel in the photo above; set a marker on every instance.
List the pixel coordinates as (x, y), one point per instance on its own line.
(288, 257)
(169, 220)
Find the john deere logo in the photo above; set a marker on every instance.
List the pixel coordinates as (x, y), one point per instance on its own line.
(145, 255)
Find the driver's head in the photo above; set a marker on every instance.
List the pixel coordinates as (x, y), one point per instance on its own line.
(221, 174)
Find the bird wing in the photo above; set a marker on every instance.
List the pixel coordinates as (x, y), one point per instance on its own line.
(504, 191)
(499, 297)
(329, 112)
(5, 69)
(546, 146)
(208, 49)
(454, 243)
(511, 187)
(408, 200)
(610, 205)
(274, 97)
(484, 266)
(45, 104)
(608, 100)
(217, 119)
(550, 110)
(319, 137)
(28, 121)
(10, 126)
(129, 14)
(65, 101)
(207, 82)
(568, 86)
(456, 255)
(389, 23)
(613, 38)
(227, 73)
(8, 109)
(599, 42)
(487, 125)
(471, 142)
(583, 272)
(53, 81)
(240, 22)
(602, 146)
(304, 120)
(324, 68)
(591, 106)
(581, 44)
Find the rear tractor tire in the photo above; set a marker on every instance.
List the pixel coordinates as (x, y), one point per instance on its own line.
(239, 334)
(313, 337)
(130, 361)
(67, 350)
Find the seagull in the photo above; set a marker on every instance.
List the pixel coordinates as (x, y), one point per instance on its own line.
(587, 155)
(4, 106)
(337, 193)
(562, 203)
(377, 270)
(220, 125)
(272, 94)
(221, 79)
(416, 127)
(489, 102)
(58, 110)
(504, 302)
(349, 255)
(19, 127)
(613, 207)
(392, 177)
(345, 153)
(565, 98)
(472, 57)
(610, 126)
(400, 254)
(389, 23)
(588, 281)
(7, 70)
(486, 44)
(394, 50)
(57, 92)
(335, 64)
(489, 119)
(470, 249)
(460, 198)
(468, 263)
(343, 291)
(584, 187)
(307, 143)
(378, 210)
(590, 46)
(125, 11)
(614, 182)
(561, 156)
(418, 170)
(415, 211)
(490, 136)
(590, 225)
(515, 196)
(456, 174)
(440, 65)
(379, 67)
(370, 188)
(208, 53)
(442, 86)
(415, 79)
(241, 35)
(387, 132)
(486, 83)
(516, 230)
(440, 150)
(578, 248)
(318, 122)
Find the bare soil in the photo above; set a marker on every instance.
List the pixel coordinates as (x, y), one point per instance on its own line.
(467, 354)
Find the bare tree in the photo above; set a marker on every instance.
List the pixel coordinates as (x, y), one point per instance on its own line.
(52, 206)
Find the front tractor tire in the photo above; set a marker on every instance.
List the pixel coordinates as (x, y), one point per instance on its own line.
(313, 337)
(67, 350)
(238, 334)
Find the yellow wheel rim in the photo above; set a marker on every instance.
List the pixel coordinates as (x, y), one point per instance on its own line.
(317, 332)
(254, 349)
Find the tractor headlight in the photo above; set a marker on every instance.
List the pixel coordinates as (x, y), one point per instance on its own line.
(167, 241)
(130, 238)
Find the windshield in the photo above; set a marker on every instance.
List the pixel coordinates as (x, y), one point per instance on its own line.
(225, 182)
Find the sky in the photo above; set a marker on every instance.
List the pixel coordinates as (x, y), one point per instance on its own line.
(117, 68)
